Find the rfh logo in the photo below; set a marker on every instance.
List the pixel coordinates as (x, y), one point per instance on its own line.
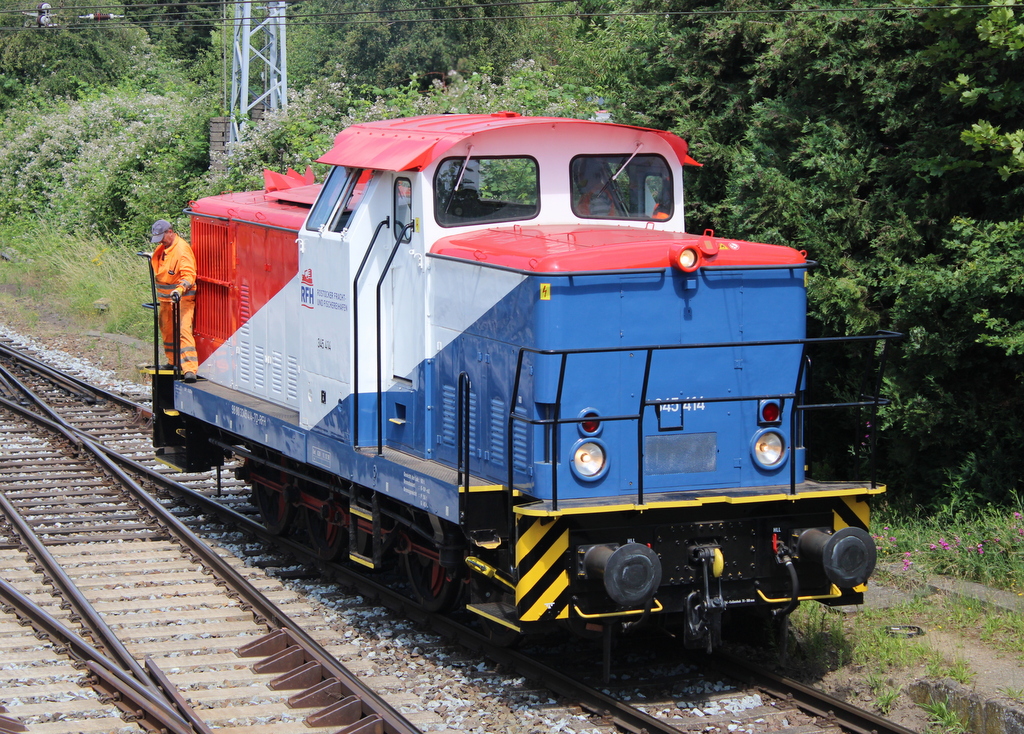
(306, 292)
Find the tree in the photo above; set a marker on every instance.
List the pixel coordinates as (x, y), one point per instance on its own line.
(384, 43)
(989, 79)
(69, 61)
(835, 132)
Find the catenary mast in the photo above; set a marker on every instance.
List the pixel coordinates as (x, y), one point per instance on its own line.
(260, 71)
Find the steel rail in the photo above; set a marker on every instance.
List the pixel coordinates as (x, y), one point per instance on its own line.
(625, 716)
(71, 383)
(92, 619)
(145, 703)
(85, 610)
(266, 612)
(809, 699)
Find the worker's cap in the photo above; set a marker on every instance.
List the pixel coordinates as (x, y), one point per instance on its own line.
(160, 227)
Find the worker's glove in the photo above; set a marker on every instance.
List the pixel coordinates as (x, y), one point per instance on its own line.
(175, 296)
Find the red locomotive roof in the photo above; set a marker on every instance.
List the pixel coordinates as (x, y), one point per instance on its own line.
(568, 249)
(284, 202)
(411, 143)
(253, 206)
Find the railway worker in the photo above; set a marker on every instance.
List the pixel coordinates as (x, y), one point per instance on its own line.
(174, 268)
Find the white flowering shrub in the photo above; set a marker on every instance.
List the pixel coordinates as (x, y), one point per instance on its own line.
(110, 164)
(107, 165)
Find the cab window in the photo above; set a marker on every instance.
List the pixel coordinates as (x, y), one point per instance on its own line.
(403, 209)
(342, 185)
(621, 187)
(481, 190)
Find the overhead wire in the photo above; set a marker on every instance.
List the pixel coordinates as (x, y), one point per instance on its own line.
(385, 15)
(97, 7)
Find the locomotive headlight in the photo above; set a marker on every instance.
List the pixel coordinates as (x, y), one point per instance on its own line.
(589, 460)
(688, 259)
(769, 449)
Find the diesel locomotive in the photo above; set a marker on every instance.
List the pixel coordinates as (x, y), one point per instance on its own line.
(485, 348)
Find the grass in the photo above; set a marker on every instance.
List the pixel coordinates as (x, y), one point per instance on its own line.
(69, 275)
(1016, 694)
(941, 666)
(943, 718)
(886, 693)
(985, 546)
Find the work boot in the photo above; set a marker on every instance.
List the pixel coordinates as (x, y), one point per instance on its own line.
(190, 377)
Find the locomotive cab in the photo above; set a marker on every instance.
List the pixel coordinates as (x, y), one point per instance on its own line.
(486, 347)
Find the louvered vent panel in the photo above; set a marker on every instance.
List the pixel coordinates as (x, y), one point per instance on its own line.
(244, 338)
(292, 378)
(276, 372)
(449, 413)
(213, 319)
(497, 437)
(520, 457)
(259, 367)
(214, 273)
(214, 260)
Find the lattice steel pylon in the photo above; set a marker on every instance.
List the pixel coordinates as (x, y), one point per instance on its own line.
(260, 51)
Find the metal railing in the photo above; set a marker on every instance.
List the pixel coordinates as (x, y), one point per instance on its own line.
(869, 397)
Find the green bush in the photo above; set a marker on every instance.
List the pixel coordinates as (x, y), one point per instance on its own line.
(104, 166)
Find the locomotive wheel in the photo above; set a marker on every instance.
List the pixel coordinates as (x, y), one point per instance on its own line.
(432, 584)
(326, 539)
(274, 507)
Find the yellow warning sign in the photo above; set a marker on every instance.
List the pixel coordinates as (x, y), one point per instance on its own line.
(545, 291)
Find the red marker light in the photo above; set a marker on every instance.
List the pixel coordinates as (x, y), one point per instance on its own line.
(590, 424)
(770, 412)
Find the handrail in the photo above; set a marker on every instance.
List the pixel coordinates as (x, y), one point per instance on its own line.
(156, 315)
(874, 401)
(463, 405)
(380, 359)
(386, 222)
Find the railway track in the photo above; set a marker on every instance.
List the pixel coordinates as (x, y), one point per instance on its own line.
(161, 610)
(90, 524)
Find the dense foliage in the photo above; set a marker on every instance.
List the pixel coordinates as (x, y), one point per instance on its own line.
(855, 136)
(887, 143)
(381, 42)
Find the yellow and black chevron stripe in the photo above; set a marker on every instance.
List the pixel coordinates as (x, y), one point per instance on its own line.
(852, 511)
(542, 559)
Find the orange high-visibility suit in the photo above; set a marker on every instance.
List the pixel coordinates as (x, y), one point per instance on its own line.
(174, 268)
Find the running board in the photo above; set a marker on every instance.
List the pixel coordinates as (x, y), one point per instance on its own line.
(497, 612)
